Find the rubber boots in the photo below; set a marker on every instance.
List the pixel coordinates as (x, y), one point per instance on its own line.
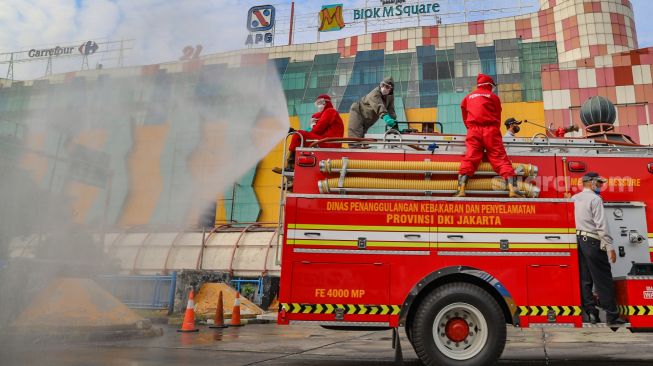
(462, 182)
(512, 187)
(290, 165)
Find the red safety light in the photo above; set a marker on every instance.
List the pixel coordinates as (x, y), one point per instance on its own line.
(306, 160)
(577, 166)
(650, 168)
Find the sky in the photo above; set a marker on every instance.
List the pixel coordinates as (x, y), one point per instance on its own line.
(158, 30)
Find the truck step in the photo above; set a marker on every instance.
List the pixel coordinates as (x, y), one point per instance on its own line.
(571, 325)
(604, 325)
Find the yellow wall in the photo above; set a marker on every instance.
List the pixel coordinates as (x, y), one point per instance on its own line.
(266, 182)
(531, 111)
(421, 115)
(266, 185)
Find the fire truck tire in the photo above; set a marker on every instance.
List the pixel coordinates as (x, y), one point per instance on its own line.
(458, 324)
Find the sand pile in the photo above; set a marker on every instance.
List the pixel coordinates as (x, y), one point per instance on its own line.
(206, 301)
(77, 303)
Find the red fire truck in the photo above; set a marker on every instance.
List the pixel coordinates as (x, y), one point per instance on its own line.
(372, 238)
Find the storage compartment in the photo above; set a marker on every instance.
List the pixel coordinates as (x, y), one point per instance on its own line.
(550, 293)
(340, 283)
(635, 300)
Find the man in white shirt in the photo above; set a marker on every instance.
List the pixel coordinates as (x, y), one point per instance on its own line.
(594, 240)
(512, 125)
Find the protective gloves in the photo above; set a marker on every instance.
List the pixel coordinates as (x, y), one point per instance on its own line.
(389, 121)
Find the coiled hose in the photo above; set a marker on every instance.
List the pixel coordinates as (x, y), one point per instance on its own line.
(361, 184)
(418, 167)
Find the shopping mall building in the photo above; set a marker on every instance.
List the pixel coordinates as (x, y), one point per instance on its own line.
(546, 64)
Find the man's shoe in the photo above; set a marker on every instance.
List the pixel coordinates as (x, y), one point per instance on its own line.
(594, 318)
(617, 321)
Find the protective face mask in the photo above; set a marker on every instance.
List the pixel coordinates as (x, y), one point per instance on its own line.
(517, 129)
(320, 107)
(597, 191)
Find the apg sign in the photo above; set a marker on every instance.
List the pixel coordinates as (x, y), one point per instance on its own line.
(260, 20)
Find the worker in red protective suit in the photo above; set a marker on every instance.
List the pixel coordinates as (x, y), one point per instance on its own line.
(326, 123)
(482, 116)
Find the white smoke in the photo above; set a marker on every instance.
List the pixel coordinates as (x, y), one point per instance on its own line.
(216, 124)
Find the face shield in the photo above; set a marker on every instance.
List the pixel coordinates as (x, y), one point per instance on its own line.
(320, 104)
(494, 86)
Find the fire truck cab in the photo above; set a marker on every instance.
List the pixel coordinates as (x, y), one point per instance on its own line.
(372, 238)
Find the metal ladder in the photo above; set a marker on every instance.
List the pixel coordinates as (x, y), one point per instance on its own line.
(286, 178)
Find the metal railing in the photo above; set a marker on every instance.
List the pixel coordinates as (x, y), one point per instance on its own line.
(258, 295)
(142, 292)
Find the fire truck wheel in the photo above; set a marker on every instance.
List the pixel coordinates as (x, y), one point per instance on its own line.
(458, 324)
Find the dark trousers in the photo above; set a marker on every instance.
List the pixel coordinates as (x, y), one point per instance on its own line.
(595, 270)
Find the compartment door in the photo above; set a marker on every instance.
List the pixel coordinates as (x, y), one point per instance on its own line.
(550, 289)
(322, 288)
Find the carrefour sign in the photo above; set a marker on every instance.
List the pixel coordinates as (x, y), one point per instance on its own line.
(396, 10)
(55, 51)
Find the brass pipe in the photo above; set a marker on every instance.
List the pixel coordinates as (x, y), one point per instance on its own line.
(564, 172)
(419, 167)
(485, 184)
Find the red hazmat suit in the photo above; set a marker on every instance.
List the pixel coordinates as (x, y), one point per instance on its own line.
(329, 124)
(482, 116)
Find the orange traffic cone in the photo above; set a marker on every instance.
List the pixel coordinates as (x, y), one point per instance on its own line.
(218, 321)
(189, 318)
(235, 313)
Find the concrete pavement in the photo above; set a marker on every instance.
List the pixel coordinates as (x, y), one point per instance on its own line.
(272, 345)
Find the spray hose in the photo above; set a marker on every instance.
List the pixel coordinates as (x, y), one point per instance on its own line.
(483, 186)
(416, 167)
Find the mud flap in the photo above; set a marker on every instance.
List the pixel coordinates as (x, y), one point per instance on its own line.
(396, 345)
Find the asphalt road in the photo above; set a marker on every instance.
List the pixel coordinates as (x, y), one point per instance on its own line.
(269, 344)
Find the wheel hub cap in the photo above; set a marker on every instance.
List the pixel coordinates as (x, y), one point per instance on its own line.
(460, 331)
(457, 330)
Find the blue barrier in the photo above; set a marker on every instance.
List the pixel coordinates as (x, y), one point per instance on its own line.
(259, 289)
(142, 292)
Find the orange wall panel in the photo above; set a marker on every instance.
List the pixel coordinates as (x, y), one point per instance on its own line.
(36, 164)
(146, 182)
(85, 195)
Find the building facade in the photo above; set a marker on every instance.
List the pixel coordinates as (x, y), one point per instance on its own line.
(546, 64)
